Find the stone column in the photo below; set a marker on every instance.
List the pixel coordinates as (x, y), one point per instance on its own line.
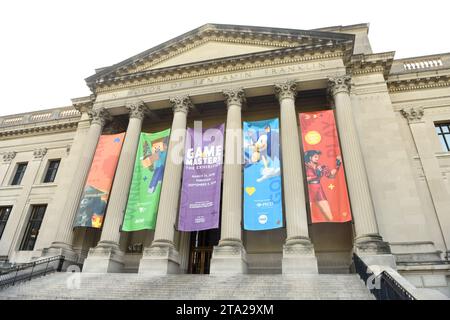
(64, 237)
(368, 240)
(162, 256)
(107, 256)
(298, 251)
(432, 171)
(229, 257)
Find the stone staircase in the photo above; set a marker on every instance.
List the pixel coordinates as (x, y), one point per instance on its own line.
(187, 287)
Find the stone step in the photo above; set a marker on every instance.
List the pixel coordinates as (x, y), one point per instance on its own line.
(185, 287)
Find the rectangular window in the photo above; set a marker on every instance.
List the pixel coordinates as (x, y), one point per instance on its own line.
(33, 226)
(50, 175)
(443, 132)
(4, 215)
(20, 171)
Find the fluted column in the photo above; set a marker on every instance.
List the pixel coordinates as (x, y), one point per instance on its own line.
(298, 251)
(229, 256)
(368, 239)
(64, 236)
(162, 256)
(107, 256)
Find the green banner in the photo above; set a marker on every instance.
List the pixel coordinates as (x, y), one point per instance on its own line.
(145, 190)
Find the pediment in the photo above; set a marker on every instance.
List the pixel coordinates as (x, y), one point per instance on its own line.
(211, 42)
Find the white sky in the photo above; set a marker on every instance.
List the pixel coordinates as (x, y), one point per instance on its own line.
(48, 47)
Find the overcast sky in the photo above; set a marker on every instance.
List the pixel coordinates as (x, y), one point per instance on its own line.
(48, 47)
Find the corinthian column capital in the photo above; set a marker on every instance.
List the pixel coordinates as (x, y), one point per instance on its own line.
(137, 109)
(9, 156)
(234, 96)
(412, 114)
(181, 104)
(99, 116)
(286, 90)
(39, 153)
(339, 84)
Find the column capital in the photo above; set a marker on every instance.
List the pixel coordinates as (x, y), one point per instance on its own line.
(99, 116)
(83, 104)
(181, 104)
(234, 96)
(286, 90)
(412, 114)
(137, 109)
(9, 156)
(339, 84)
(39, 153)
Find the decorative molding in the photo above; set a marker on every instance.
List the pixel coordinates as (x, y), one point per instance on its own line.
(223, 65)
(99, 116)
(339, 84)
(42, 129)
(181, 104)
(413, 114)
(137, 109)
(39, 153)
(395, 86)
(9, 156)
(361, 64)
(234, 96)
(286, 90)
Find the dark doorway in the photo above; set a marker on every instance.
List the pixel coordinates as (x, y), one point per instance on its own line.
(201, 248)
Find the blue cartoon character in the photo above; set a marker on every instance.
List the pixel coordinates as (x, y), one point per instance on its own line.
(259, 151)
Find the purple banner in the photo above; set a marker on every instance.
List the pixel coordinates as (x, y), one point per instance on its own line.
(202, 175)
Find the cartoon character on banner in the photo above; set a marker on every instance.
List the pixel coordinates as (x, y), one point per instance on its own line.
(92, 208)
(154, 159)
(314, 172)
(258, 150)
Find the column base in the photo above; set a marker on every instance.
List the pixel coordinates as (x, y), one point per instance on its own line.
(374, 251)
(228, 258)
(299, 257)
(160, 259)
(105, 258)
(61, 249)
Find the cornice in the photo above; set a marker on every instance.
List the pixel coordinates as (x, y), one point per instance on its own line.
(260, 36)
(229, 64)
(22, 131)
(361, 64)
(432, 82)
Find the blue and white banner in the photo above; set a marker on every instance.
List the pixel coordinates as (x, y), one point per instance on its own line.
(262, 177)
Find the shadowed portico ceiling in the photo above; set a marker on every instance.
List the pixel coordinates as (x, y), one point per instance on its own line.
(222, 48)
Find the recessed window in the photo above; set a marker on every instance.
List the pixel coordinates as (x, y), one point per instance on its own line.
(52, 169)
(4, 215)
(20, 171)
(33, 226)
(443, 132)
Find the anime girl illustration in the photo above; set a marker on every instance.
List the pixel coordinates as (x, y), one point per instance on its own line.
(314, 172)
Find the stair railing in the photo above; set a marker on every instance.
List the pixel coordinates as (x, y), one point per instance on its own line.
(383, 286)
(28, 271)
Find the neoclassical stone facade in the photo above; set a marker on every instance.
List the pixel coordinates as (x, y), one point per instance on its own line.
(388, 114)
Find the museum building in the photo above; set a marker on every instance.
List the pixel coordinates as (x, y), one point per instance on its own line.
(392, 119)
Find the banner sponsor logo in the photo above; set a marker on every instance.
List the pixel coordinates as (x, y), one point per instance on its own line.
(202, 175)
(145, 190)
(93, 202)
(262, 176)
(327, 188)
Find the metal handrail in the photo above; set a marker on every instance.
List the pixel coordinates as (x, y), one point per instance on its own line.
(388, 289)
(28, 271)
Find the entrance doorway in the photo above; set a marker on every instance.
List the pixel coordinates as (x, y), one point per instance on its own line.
(201, 248)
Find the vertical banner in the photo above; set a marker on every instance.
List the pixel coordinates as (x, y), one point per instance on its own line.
(202, 175)
(143, 199)
(262, 179)
(93, 202)
(325, 175)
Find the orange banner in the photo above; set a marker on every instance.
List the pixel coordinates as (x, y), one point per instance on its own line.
(92, 207)
(325, 175)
